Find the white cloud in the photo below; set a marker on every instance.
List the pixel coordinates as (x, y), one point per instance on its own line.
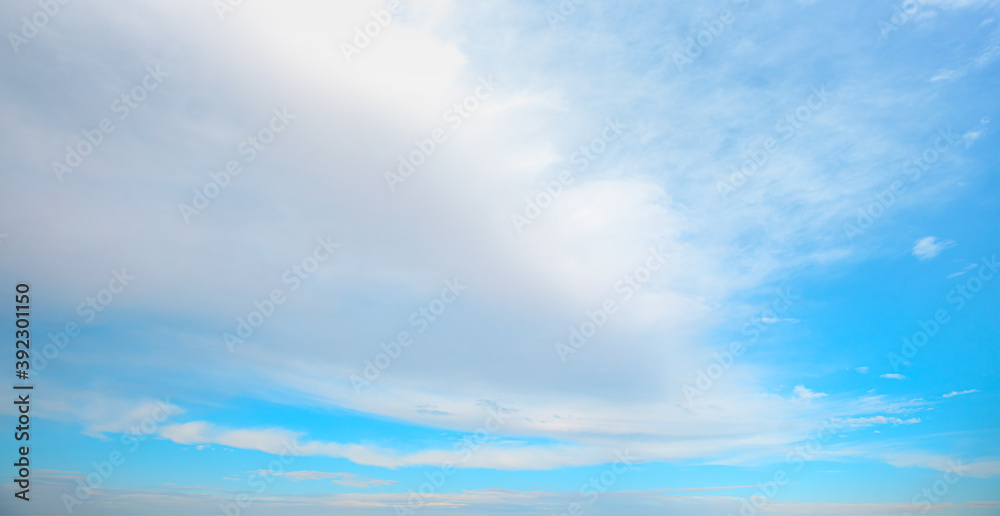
(956, 393)
(100, 414)
(493, 455)
(451, 218)
(772, 320)
(929, 247)
(862, 369)
(344, 479)
(972, 136)
(801, 392)
(980, 469)
(967, 268)
(894, 376)
(955, 4)
(989, 54)
(877, 420)
(689, 501)
(948, 75)
(705, 436)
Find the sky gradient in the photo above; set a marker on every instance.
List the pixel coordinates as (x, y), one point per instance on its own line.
(497, 257)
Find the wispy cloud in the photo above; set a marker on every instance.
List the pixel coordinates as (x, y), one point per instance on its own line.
(803, 393)
(929, 247)
(989, 53)
(431, 410)
(894, 376)
(772, 320)
(344, 479)
(877, 420)
(966, 269)
(957, 393)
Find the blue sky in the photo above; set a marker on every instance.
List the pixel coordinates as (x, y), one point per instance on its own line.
(738, 215)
